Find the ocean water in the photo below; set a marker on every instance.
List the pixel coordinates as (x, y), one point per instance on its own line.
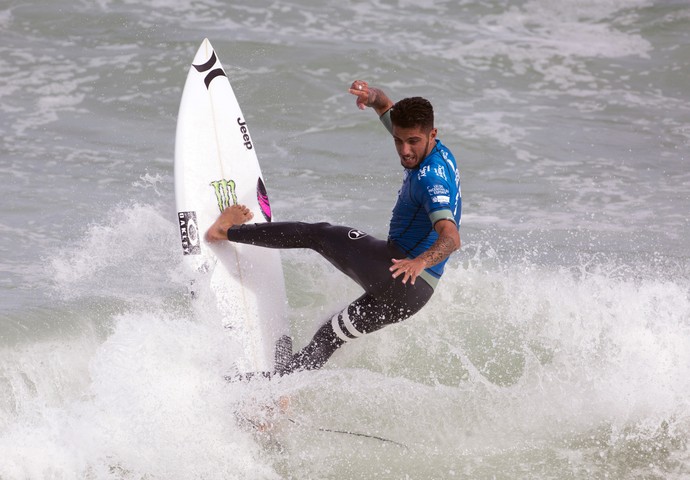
(557, 345)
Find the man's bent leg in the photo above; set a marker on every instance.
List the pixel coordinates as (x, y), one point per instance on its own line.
(365, 315)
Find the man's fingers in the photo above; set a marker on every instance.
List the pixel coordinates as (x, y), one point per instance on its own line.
(361, 100)
(403, 266)
(360, 89)
(359, 85)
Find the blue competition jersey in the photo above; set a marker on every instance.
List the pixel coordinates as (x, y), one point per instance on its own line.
(429, 193)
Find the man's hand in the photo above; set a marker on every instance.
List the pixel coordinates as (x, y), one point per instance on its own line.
(370, 97)
(409, 267)
(447, 242)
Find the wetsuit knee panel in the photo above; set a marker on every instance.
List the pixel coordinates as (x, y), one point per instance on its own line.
(343, 327)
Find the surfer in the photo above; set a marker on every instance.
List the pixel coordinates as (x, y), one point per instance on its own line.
(399, 274)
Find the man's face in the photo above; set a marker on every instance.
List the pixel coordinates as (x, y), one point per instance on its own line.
(413, 144)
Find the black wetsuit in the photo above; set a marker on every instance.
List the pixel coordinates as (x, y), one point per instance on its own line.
(363, 258)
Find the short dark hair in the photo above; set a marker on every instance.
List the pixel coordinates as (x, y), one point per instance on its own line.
(413, 112)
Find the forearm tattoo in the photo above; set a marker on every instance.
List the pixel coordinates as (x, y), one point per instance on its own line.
(439, 251)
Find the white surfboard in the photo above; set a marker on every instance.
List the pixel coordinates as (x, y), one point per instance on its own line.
(216, 166)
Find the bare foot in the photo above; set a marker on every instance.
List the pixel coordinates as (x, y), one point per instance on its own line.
(233, 215)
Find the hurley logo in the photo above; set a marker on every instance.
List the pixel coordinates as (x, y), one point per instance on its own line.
(356, 234)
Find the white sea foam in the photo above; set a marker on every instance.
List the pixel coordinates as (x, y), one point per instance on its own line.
(155, 405)
(587, 350)
(591, 348)
(128, 254)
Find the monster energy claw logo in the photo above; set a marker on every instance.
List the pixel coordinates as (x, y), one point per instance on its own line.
(225, 193)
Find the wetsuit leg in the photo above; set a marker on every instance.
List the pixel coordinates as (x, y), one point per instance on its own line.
(365, 315)
(363, 258)
(360, 256)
